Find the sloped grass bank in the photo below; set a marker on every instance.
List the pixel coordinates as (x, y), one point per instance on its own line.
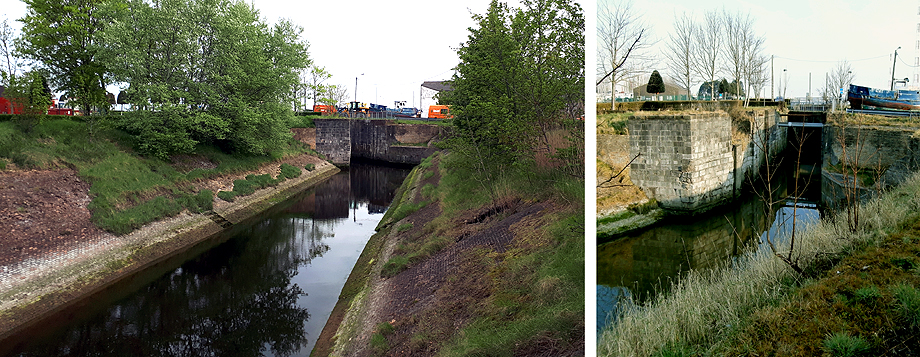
(128, 190)
(526, 299)
(706, 313)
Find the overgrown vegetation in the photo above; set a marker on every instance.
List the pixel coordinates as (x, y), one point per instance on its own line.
(613, 123)
(127, 190)
(859, 284)
(537, 286)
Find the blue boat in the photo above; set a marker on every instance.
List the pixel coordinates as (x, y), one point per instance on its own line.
(870, 98)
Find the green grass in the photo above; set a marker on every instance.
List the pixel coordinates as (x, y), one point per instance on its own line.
(539, 294)
(394, 265)
(127, 190)
(908, 304)
(404, 227)
(379, 344)
(289, 171)
(249, 185)
(841, 344)
(304, 121)
(613, 123)
(759, 306)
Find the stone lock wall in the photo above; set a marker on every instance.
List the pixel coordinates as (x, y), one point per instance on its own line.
(687, 160)
(333, 139)
(342, 139)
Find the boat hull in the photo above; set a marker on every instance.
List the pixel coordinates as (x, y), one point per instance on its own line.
(868, 98)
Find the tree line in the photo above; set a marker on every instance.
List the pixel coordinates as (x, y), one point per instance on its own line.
(723, 43)
(520, 77)
(194, 71)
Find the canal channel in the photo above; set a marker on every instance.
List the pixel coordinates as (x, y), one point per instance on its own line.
(646, 263)
(264, 287)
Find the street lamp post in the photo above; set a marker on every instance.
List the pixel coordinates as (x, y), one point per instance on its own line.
(895, 61)
(787, 83)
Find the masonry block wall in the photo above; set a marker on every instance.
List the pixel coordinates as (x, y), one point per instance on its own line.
(374, 139)
(333, 139)
(749, 153)
(685, 160)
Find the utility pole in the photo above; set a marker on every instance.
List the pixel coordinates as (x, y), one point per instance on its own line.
(895, 61)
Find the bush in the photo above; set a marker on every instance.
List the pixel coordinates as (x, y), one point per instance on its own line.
(310, 167)
(160, 134)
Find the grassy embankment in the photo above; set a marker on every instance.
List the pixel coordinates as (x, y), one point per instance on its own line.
(859, 295)
(535, 288)
(127, 190)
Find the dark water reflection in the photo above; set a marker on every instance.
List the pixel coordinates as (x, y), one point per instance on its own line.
(646, 263)
(266, 290)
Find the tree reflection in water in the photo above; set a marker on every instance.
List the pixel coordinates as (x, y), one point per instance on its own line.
(236, 299)
(244, 297)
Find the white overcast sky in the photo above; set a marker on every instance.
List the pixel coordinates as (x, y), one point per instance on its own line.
(813, 35)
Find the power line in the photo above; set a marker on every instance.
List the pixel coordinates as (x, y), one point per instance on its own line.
(835, 61)
(905, 63)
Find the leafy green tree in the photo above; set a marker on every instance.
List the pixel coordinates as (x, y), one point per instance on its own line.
(655, 84)
(521, 73)
(220, 74)
(709, 89)
(30, 94)
(62, 36)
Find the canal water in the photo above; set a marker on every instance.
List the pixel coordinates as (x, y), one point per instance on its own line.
(646, 263)
(265, 287)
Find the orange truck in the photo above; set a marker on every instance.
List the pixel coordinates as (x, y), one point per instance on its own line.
(324, 109)
(439, 112)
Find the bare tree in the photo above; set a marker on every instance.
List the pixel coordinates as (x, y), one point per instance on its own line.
(7, 37)
(709, 38)
(755, 65)
(743, 50)
(333, 95)
(840, 78)
(621, 37)
(680, 51)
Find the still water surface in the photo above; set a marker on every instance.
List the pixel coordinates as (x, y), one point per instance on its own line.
(646, 263)
(265, 288)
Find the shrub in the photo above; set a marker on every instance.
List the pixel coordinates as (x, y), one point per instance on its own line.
(310, 167)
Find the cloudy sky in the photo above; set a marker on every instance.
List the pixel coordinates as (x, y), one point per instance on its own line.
(811, 36)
